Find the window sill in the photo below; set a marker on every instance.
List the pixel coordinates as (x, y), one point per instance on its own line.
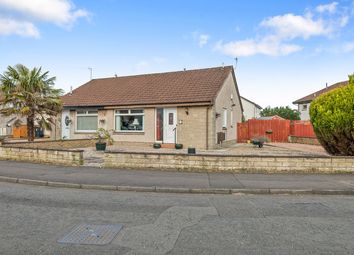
(129, 133)
(84, 132)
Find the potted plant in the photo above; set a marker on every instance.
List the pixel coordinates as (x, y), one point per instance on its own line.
(178, 146)
(104, 136)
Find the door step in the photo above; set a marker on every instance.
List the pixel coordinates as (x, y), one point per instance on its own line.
(168, 145)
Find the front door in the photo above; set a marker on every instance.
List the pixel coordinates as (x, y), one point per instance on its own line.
(169, 125)
(65, 124)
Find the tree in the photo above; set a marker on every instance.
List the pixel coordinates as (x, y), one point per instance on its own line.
(30, 94)
(332, 117)
(284, 112)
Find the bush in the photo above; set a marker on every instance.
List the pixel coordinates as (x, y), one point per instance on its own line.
(332, 117)
(284, 112)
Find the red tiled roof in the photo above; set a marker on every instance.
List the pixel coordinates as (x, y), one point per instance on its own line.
(192, 86)
(312, 96)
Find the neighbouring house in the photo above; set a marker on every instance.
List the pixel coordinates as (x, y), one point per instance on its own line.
(15, 126)
(198, 108)
(251, 110)
(305, 102)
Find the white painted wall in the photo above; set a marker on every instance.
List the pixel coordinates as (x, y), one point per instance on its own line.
(304, 110)
(250, 111)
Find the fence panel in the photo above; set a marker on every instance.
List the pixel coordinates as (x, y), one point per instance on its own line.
(302, 129)
(276, 130)
(242, 132)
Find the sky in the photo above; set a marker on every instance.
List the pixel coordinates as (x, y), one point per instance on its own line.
(285, 50)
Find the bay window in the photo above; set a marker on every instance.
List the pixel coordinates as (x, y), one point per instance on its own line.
(131, 120)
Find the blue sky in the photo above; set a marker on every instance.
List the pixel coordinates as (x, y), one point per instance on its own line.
(285, 49)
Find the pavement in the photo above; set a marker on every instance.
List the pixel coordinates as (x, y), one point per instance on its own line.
(174, 182)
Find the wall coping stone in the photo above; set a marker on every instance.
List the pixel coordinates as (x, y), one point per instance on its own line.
(43, 149)
(47, 141)
(226, 155)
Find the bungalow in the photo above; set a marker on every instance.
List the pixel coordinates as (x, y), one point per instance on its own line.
(198, 108)
(304, 103)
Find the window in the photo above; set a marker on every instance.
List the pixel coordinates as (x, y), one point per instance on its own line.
(129, 120)
(304, 107)
(224, 125)
(232, 118)
(87, 120)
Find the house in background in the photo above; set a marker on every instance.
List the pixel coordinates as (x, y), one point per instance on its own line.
(251, 110)
(196, 108)
(305, 102)
(15, 126)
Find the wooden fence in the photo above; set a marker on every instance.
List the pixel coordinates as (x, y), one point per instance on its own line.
(302, 129)
(275, 130)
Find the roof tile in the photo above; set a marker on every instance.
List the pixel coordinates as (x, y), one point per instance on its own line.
(193, 86)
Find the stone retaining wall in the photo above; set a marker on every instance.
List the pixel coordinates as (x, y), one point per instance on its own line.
(51, 156)
(226, 163)
(53, 144)
(304, 140)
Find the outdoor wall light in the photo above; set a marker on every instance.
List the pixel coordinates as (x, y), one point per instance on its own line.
(187, 110)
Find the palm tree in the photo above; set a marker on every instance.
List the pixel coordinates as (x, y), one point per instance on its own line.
(30, 94)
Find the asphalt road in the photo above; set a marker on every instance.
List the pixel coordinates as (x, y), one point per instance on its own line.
(33, 219)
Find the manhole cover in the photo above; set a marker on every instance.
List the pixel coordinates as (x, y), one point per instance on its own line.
(306, 206)
(91, 234)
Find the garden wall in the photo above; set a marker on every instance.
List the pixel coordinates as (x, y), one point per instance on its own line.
(51, 156)
(304, 140)
(53, 144)
(227, 163)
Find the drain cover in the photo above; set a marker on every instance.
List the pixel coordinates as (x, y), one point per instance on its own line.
(91, 234)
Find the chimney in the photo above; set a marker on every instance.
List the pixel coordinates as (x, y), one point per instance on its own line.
(71, 90)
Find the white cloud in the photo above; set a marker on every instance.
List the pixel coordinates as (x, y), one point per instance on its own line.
(343, 21)
(203, 40)
(290, 26)
(266, 46)
(22, 28)
(60, 12)
(279, 31)
(330, 8)
(347, 47)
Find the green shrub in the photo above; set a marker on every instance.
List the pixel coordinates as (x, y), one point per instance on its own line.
(332, 117)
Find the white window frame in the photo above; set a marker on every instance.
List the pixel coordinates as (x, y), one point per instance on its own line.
(224, 125)
(85, 114)
(232, 118)
(117, 113)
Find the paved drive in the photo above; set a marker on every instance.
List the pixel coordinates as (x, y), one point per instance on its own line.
(33, 219)
(90, 175)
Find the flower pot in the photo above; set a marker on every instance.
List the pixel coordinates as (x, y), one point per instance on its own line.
(191, 150)
(157, 145)
(178, 146)
(101, 146)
